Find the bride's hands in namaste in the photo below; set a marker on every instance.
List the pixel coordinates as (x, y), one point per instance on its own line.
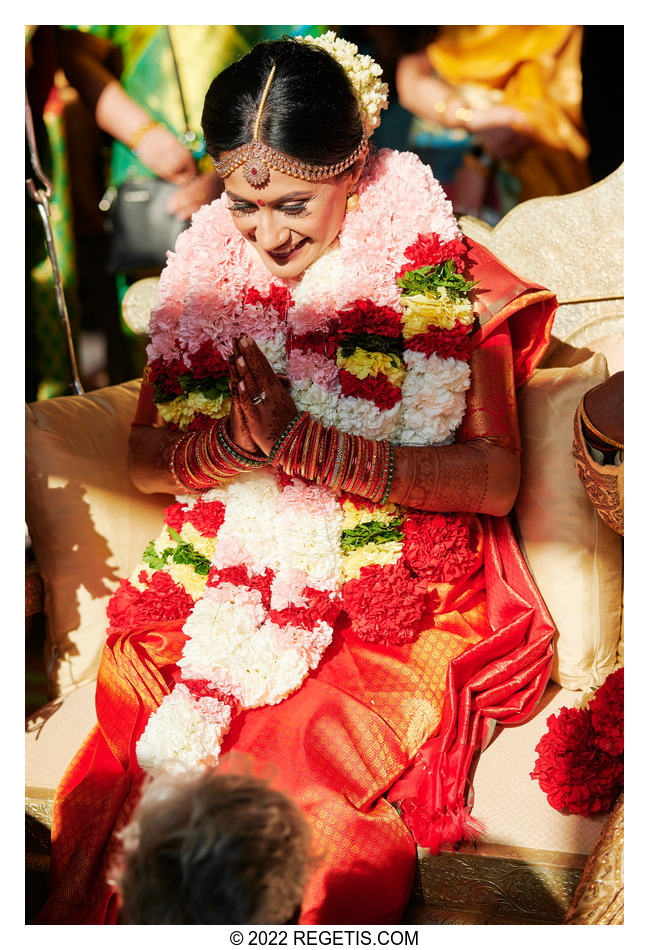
(262, 396)
(237, 424)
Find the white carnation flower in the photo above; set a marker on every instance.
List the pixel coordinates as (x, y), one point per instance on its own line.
(179, 736)
(275, 351)
(433, 399)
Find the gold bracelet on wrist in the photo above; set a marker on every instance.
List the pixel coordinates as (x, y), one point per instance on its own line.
(139, 133)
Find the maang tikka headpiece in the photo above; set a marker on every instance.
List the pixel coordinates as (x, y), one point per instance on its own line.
(371, 94)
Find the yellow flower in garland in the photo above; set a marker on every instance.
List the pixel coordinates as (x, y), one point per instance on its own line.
(183, 409)
(186, 576)
(423, 311)
(363, 363)
(163, 541)
(353, 516)
(388, 552)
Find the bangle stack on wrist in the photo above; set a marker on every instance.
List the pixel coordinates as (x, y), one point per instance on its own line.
(140, 132)
(200, 460)
(336, 459)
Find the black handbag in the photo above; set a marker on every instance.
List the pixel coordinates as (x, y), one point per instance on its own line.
(140, 227)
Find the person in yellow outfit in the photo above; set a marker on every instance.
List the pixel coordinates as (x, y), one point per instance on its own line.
(508, 98)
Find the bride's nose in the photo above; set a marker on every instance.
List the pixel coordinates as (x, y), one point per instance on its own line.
(270, 231)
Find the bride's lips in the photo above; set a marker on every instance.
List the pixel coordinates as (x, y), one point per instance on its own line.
(286, 256)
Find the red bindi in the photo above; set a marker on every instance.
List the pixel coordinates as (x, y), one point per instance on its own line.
(260, 202)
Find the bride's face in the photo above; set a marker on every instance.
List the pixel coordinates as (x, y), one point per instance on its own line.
(289, 222)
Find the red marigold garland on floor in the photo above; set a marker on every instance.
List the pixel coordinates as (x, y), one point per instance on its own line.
(580, 764)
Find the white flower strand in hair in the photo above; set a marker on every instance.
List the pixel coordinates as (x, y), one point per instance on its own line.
(363, 72)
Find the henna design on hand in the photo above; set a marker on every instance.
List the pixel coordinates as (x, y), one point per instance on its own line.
(440, 478)
(268, 418)
(237, 424)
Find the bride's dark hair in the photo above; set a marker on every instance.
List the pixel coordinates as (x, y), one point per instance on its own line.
(311, 111)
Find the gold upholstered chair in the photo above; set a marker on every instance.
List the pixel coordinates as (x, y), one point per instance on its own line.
(88, 526)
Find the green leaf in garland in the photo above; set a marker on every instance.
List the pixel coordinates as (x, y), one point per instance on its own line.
(186, 553)
(155, 561)
(371, 532)
(161, 395)
(183, 553)
(430, 278)
(372, 342)
(210, 386)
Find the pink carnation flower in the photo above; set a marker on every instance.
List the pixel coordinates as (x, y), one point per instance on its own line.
(315, 366)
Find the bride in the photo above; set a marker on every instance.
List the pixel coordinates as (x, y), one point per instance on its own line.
(335, 592)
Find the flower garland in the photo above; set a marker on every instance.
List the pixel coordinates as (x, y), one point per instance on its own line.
(580, 764)
(375, 340)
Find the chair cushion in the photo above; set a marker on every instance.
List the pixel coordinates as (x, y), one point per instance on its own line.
(575, 559)
(88, 524)
(511, 805)
(53, 735)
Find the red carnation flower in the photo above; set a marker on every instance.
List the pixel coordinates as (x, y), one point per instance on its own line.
(241, 577)
(130, 609)
(377, 389)
(207, 361)
(428, 250)
(363, 316)
(439, 546)
(358, 502)
(576, 775)
(455, 342)
(313, 342)
(202, 687)
(200, 422)
(174, 516)
(206, 516)
(168, 368)
(164, 376)
(607, 710)
(277, 299)
(385, 604)
(320, 606)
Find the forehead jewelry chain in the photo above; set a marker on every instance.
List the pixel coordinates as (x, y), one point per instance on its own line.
(256, 171)
(257, 158)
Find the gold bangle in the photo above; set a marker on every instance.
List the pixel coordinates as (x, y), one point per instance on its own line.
(139, 134)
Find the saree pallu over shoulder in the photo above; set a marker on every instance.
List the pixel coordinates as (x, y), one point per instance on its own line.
(501, 679)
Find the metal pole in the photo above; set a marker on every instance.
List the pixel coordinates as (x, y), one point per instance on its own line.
(41, 196)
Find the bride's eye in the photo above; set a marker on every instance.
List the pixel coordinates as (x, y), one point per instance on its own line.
(241, 208)
(295, 209)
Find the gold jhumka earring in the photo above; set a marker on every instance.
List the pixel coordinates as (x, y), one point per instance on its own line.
(353, 201)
